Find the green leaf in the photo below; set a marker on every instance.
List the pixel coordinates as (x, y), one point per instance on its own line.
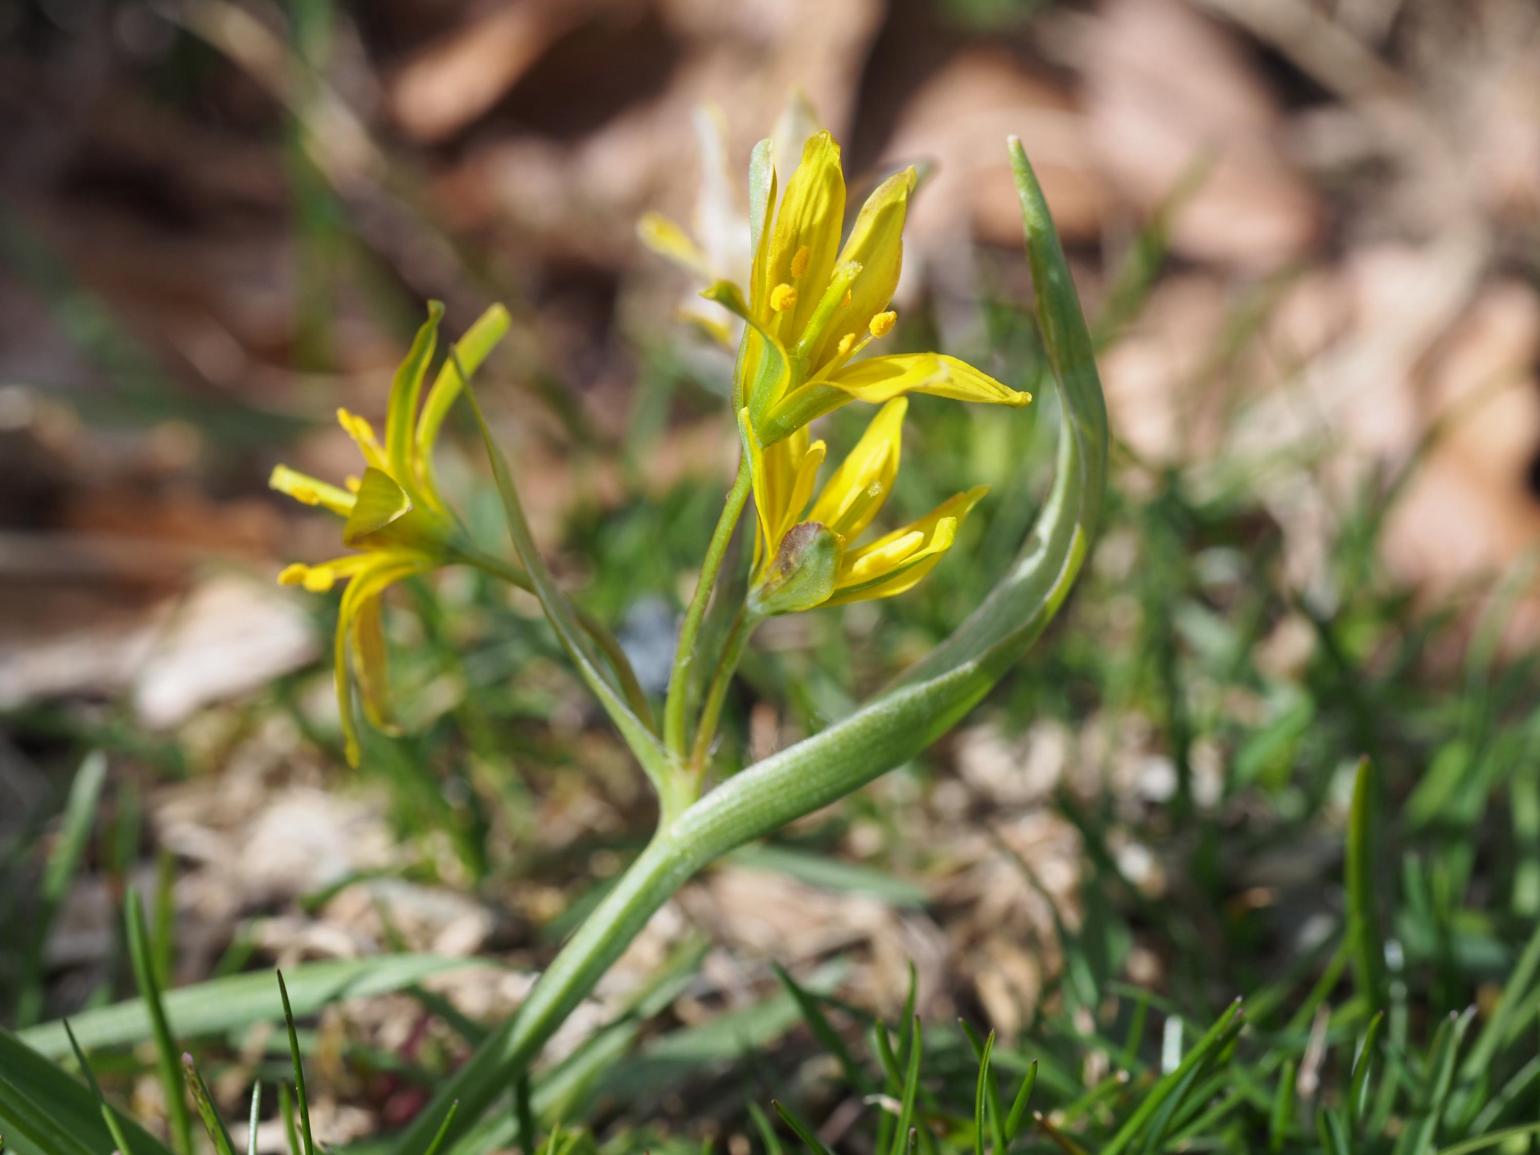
(301, 1096)
(1281, 1118)
(901, 1135)
(1173, 1084)
(207, 1112)
(818, 1023)
(1368, 946)
(809, 1139)
(1506, 1020)
(63, 862)
(1018, 1113)
(1419, 1139)
(817, 869)
(1363, 1063)
(45, 1112)
(167, 1054)
(240, 1000)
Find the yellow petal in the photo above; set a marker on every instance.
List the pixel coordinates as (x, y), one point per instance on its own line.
(350, 658)
(810, 217)
(405, 393)
(860, 486)
(801, 489)
(782, 479)
(467, 355)
(310, 491)
(370, 666)
(671, 242)
(878, 379)
(876, 244)
(787, 471)
(898, 561)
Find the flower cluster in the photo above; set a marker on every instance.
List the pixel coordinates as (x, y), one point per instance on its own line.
(813, 308)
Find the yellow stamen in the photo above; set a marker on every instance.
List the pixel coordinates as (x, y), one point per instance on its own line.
(309, 491)
(319, 578)
(356, 427)
(882, 324)
(782, 297)
(315, 578)
(799, 261)
(354, 484)
(847, 342)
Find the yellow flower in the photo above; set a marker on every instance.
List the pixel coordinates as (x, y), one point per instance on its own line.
(393, 515)
(716, 248)
(814, 305)
(783, 476)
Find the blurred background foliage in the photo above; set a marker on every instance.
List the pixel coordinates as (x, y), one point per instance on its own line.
(1308, 234)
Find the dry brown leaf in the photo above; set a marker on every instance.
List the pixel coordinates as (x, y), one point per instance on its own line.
(1472, 508)
(1167, 89)
(959, 119)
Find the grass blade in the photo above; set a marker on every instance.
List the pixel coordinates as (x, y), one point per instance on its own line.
(253, 1119)
(1358, 1082)
(207, 1112)
(301, 1100)
(1367, 944)
(167, 1055)
(902, 1138)
(1019, 1106)
(43, 1111)
(804, 1132)
(226, 1004)
(1219, 1034)
(63, 861)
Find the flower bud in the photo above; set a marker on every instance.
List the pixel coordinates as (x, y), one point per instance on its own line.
(802, 573)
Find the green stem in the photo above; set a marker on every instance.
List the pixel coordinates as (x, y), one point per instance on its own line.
(675, 708)
(743, 627)
(507, 1054)
(595, 629)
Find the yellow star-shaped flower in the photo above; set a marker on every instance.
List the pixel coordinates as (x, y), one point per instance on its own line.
(393, 515)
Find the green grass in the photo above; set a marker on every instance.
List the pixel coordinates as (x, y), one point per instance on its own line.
(1406, 1025)
(1347, 942)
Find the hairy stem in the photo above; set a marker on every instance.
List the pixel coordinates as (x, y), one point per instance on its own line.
(738, 636)
(677, 705)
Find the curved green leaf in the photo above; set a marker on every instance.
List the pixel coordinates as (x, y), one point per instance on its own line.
(229, 1003)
